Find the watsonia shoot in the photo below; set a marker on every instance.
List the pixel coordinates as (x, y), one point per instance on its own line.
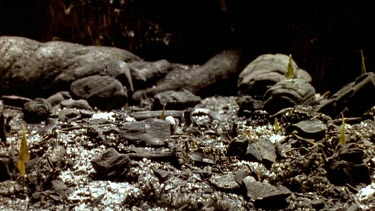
(290, 73)
(23, 156)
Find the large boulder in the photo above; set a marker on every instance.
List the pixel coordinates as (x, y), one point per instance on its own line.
(200, 79)
(103, 92)
(34, 69)
(265, 71)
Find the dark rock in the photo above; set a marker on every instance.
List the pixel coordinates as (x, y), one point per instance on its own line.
(14, 100)
(347, 166)
(36, 110)
(161, 174)
(151, 132)
(30, 68)
(56, 99)
(288, 93)
(96, 135)
(4, 127)
(219, 68)
(265, 71)
(176, 100)
(79, 104)
(6, 167)
(238, 146)
(355, 98)
(111, 164)
(147, 73)
(263, 151)
(103, 92)
(247, 104)
(312, 128)
(265, 195)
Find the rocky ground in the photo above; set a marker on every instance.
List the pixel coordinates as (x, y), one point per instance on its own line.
(211, 159)
(98, 128)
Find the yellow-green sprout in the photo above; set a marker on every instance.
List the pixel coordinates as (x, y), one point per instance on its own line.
(276, 125)
(290, 73)
(23, 156)
(342, 140)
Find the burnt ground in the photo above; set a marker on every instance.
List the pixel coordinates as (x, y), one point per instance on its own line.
(205, 164)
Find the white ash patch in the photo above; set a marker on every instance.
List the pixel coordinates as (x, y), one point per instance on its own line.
(104, 115)
(366, 197)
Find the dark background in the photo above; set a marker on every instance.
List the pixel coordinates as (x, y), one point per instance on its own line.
(324, 37)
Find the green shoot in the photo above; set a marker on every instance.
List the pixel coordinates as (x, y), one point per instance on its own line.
(23, 156)
(363, 63)
(276, 125)
(162, 116)
(342, 140)
(290, 73)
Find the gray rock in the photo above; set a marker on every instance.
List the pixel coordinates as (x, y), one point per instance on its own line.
(150, 132)
(355, 98)
(263, 151)
(103, 92)
(111, 164)
(265, 195)
(311, 128)
(265, 71)
(36, 110)
(79, 104)
(56, 99)
(219, 68)
(288, 93)
(114, 68)
(146, 73)
(176, 100)
(31, 68)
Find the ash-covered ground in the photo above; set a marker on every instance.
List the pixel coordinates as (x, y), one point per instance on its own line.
(213, 156)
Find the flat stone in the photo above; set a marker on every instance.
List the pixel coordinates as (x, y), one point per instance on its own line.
(110, 164)
(263, 151)
(176, 100)
(265, 195)
(150, 132)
